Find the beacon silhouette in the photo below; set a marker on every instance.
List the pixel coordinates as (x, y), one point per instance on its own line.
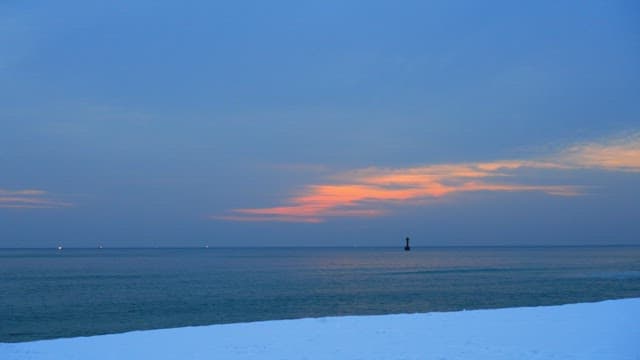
(407, 247)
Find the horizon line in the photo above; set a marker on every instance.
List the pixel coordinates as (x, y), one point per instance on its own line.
(205, 247)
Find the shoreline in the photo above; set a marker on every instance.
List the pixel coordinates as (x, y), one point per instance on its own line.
(597, 330)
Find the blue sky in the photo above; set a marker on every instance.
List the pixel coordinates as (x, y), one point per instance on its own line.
(153, 123)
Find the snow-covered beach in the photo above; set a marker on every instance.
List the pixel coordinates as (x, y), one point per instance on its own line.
(603, 330)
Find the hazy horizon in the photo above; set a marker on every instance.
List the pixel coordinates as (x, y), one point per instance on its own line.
(206, 247)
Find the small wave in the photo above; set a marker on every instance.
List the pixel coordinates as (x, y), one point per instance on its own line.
(615, 275)
(464, 270)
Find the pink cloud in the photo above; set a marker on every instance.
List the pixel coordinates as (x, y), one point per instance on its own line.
(363, 195)
(29, 199)
(621, 154)
(365, 192)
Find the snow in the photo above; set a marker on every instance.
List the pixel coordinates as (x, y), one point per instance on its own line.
(604, 330)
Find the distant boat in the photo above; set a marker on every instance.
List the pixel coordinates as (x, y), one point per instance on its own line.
(407, 247)
(59, 247)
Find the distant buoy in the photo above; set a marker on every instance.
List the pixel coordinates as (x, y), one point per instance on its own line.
(407, 247)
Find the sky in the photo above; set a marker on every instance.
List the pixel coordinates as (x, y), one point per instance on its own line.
(321, 123)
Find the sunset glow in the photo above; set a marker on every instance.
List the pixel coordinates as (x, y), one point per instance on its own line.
(621, 154)
(365, 192)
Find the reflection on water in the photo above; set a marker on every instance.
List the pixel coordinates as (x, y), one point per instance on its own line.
(49, 293)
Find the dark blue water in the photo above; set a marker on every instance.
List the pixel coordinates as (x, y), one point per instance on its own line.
(51, 294)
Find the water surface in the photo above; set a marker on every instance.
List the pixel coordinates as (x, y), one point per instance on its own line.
(77, 292)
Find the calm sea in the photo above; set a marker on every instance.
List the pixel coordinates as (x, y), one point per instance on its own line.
(77, 292)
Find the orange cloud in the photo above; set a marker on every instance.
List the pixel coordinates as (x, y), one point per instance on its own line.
(245, 218)
(365, 192)
(28, 199)
(622, 154)
(362, 193)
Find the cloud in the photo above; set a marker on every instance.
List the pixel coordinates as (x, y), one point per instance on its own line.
(29, 199)
(369, 192)
(618, 154)
(363, 193)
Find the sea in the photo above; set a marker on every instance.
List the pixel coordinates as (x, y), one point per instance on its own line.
(50, 293)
